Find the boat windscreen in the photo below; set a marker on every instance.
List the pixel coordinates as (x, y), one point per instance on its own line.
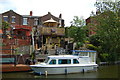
(47, 59)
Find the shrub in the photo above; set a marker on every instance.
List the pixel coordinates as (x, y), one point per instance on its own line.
(104, 57)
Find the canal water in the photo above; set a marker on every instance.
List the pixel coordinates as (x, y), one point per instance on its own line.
(106, 71)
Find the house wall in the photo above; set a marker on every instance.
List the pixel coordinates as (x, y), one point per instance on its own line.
(43, 31)
(10, 44)
(18, 18)
(91, 25)
(48, 31)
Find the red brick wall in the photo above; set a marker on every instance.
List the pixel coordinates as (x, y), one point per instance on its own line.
(9, 44)
(18, 18)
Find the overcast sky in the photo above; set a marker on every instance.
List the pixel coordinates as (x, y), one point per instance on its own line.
(68, 8)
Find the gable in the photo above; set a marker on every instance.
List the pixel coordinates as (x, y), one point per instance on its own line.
(48, 17)
(10, 12)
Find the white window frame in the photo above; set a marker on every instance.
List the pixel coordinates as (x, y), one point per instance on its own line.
(13, 19)
(25, 21)
(5, 17)
(36, 21)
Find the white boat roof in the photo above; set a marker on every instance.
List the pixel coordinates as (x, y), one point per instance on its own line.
(63, 57)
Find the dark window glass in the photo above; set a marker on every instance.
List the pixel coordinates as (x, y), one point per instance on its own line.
(64, 61)
(35, 21)
(5, 18)
(25, 21)
(75, 61)
(52, 62)
(13, 19)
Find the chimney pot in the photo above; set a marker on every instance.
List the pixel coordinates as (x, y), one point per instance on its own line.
(31, 13)
(60, 16)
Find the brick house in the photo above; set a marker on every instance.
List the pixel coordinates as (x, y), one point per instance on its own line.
(1, 40)
(18, 35)
(12, 17)
(48, 30)
(91, 22)
(51, 31)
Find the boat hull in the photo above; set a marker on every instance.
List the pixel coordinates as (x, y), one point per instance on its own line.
(63, 70)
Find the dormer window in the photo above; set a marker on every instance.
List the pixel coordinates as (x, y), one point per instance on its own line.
(13, 19)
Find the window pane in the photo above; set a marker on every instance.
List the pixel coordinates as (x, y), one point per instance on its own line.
(5, 18)
(24, 21)
(35, 21)
(52, 62)
(75, 61)
(64, 61)
(69, 61)
(47, 60)
(83, 54)
(13, 19)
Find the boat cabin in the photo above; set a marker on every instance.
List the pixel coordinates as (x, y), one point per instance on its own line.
(62, 59)
(86, 53)
(68, 59)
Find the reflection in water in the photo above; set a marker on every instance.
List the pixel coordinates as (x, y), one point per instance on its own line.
(110, 71)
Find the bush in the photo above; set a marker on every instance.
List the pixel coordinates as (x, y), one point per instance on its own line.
(104, 57)
(91, 47)
(78, 45)
(112, 57)
(98, 60)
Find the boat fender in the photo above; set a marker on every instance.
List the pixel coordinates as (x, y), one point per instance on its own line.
(46, 73)
(65, 70)
(40, 73)
(83, 70)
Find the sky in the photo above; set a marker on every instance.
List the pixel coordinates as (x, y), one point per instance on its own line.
(68, 8)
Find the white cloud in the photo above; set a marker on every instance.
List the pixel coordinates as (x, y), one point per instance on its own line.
(68, 8)
(6, 5)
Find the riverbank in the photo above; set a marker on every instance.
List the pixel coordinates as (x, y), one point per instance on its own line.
(23, 67)
(106, 72)
(15, 68)
(108, 63)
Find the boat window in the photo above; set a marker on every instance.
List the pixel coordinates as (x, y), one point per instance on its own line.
(47, 60)
(64, 61)
(75, 61)
(83, 54)
(75, 54)
(52, 62)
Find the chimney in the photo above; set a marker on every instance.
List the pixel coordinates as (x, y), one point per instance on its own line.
(60, 16)
(31, 13)
(49, 13)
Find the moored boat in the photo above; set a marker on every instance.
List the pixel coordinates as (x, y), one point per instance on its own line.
(64, 64)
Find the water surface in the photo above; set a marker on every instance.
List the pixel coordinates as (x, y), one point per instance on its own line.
(108, 71)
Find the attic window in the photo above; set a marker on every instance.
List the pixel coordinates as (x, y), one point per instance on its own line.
(5, 18)
(13, 19)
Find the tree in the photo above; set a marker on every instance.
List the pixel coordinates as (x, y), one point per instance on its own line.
(108, 6)
(77, 31)
(108, 28)
(78, 22)
(5, 26)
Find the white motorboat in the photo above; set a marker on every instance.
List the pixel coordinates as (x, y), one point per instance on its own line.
(64, 64)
